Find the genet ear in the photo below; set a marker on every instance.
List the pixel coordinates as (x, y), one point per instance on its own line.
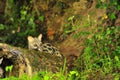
(30, 38)
(40, 37)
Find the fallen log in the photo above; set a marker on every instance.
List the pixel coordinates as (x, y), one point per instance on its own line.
(26, 62)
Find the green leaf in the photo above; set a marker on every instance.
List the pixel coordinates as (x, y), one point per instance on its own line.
(9, 68)
(11, 1)
(46, 77)
(23, 12)
(117, 58)
(112, 16)
(41, 18)
(2, 26)
(71, 18)
(108, 32)
(118, 7)
(73, 72)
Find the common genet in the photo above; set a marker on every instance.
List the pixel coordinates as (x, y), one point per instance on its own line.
(36, 44)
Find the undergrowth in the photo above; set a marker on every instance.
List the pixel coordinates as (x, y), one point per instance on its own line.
(45, 75)
(100, 59)
(101, 55)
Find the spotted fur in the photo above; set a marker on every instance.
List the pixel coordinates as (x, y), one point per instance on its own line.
(36, 44)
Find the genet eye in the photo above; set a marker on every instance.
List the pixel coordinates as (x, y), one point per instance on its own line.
(35, 46)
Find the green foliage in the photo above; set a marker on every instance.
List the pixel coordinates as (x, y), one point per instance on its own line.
(11, 78)
(112, 16)
(101, 4)
(73, 75)
(102, 50)
(20, 23)
(43, 75)
(104, 4)
(109, 4)
(99, 54)
(9, 68)
(41, 18)
(69, 26)
(2, 27)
